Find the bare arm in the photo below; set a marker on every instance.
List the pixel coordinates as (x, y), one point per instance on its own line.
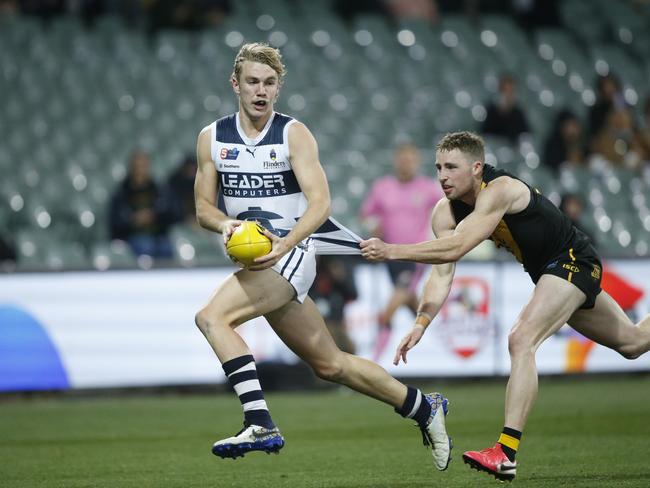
(311, 178)
(492, 203)
(437, 286)
(206, 185)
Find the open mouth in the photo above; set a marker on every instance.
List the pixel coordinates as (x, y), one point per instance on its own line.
(260, 103)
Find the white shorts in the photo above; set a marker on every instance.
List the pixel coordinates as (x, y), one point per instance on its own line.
(299, 268)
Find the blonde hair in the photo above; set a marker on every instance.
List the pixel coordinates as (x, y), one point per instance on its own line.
(466, 142)
(259, 52)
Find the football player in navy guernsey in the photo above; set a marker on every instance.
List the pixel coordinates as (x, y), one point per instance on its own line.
(258, 164)
(488, 203)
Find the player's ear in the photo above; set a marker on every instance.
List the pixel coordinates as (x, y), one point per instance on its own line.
(235, 85)
(476, 167)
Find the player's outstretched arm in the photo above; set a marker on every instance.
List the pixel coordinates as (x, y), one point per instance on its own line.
(303, 151)
(436, 288)
(491, 205)
(206, 185)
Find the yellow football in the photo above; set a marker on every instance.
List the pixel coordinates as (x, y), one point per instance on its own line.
(248, 243)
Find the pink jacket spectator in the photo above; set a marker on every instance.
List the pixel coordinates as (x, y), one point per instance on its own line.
(402, 209)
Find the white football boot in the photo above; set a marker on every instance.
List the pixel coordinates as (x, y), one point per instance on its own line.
(435, 433)
(250, 438)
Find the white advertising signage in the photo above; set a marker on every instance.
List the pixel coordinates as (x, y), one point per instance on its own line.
(136, 328)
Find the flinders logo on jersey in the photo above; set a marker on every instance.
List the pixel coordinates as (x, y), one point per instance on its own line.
(229, 153)
(247, 185)
(274, 164)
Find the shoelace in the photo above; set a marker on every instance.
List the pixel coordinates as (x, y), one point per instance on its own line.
(246, 426)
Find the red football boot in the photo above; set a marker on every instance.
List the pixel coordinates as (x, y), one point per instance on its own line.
(492, 460)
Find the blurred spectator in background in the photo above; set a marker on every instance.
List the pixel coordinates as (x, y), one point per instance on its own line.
(608, 97)
(141, 211)
(181, 187)
(566, 144)
(572, 205)
(421, 10)
(505, 117)
(332, 289)
(8, 7)
(618, 143)
(398, 210)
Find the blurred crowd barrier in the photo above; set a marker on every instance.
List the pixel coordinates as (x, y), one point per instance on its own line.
(136, 328)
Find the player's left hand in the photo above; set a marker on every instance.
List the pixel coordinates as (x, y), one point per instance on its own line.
(374, 249)
(278, 249)
(408, 342)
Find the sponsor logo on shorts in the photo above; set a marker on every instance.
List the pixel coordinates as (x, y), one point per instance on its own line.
(571, 267)
(596, 272)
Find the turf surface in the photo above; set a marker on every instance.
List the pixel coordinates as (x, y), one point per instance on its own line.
(582, 433)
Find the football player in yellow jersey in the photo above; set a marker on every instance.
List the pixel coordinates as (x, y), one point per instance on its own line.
(481, 203)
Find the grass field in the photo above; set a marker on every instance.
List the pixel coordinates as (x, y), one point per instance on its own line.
(582, 433)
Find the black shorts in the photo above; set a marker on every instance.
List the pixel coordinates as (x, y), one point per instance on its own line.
(402, 273)
(581, 267)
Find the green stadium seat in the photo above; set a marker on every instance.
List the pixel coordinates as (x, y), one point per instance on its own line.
(581, 17)
(65, 255)
(31, 246)
(112, 255)
(194, 246)
(157, 92)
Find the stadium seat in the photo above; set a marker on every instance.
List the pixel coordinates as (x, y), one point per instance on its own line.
(361, 92)
(112, 255)
(197, 247)
(31, 246)
(590, 28)
(65, 255)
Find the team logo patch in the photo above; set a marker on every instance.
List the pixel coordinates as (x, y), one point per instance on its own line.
(229, 153)
(465, 319)
(596, 272)
(552, 265)
(273, 155)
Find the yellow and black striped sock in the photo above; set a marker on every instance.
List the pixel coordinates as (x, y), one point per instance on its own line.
(509, 440)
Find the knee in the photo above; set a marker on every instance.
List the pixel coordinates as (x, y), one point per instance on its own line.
(519, 343)
(204, 321)
(329, 370)
(201, 320)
